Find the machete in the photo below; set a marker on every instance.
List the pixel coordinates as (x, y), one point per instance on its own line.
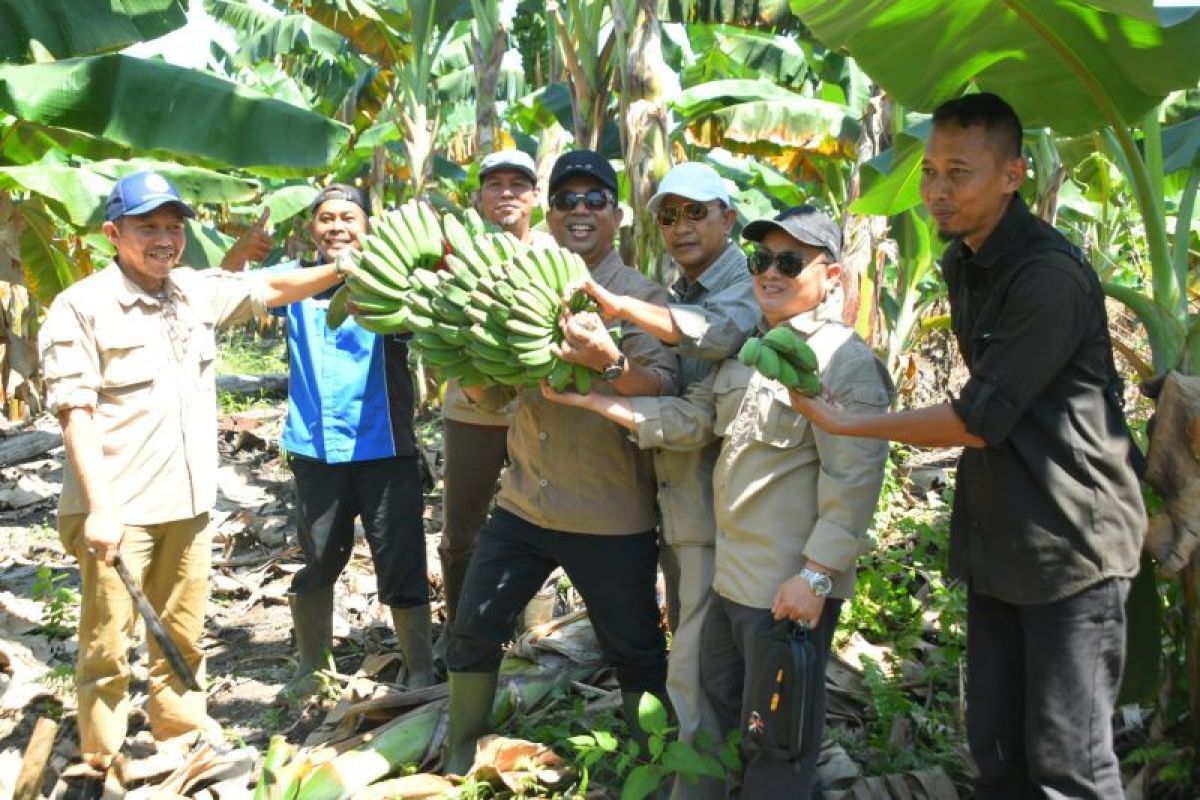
(155, 628)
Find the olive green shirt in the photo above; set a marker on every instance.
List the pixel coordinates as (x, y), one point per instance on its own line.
(572, 470)
(714, 314)
(784, 491)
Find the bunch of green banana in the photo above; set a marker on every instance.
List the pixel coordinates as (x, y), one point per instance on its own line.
(783, 356)
(401, 241)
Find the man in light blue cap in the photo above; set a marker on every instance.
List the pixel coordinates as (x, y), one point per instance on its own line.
(712, 312)
(128, 357)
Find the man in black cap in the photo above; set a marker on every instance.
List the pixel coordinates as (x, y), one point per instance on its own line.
(128, 355)
(576, 492)
(351, 446)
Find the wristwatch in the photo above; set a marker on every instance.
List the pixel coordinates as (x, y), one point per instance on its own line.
(615, 369)
(818, 581)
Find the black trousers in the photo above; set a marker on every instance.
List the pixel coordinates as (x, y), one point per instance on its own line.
(614, 574)
(726, 664)
(386, 494)
(1042, 683)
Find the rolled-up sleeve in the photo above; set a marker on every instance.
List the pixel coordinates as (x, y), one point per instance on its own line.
(716, 329)
(1032, 340)
(648, 352)
(236, 296)
(676, 423)
(851, 472)
(70, 358)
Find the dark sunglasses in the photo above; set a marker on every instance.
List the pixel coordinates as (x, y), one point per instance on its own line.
(693, 210)
(593, 200)
(789, 263)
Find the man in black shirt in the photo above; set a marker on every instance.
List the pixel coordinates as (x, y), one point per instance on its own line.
(1048, 518)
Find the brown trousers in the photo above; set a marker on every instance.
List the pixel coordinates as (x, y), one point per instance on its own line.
(172, 561)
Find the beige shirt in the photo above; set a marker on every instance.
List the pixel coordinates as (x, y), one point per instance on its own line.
(457, 406)
(572, 470)
(146, 368)
(714, 314)
(784, 492)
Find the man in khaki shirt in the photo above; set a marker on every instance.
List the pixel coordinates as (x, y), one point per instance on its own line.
(474, 437)
(792, 504)
(711, 313)
(128, 357)
(576, 493)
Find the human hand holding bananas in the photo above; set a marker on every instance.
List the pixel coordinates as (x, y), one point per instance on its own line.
(610, 307)
(585, 341)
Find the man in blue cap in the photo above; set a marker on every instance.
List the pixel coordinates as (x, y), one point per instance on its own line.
(128, 356)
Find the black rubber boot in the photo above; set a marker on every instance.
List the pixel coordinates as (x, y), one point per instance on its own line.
(414, 633)
(471, 698)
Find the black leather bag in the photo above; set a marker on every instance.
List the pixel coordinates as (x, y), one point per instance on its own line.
(782, 692)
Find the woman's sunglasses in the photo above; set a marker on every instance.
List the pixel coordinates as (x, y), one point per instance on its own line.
(789, 263)
(593, 200)
(693, 210)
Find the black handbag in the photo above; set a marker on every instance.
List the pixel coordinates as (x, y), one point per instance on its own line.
(783, 690)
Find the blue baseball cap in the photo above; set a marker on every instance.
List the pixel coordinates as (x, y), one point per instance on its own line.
(141, 193)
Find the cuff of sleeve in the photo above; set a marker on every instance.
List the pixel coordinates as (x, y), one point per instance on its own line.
(647, 423)
(834, 546)
(258, 297)
(985, 411)
(64, 397)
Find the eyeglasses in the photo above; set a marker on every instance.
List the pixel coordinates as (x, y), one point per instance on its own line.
(789, 263)
(693, 210)
(593, 200)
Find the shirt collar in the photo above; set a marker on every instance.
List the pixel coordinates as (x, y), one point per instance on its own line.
(128, 293)
(1003, 238)
(608, 266)
(720, 273)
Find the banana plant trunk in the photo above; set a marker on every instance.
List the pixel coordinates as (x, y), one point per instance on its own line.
(489, 41)
(646, 84)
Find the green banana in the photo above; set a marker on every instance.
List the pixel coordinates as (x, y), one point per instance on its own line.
(582, 378)
(785, 341)
(446, 311)
(427, 281)
(336, 314)
(748, 355)
(371, 284)
(522, 328)
(560, 375)
(767, 363)
(789, 376)
(466, 278)
(809, 384)
(534, 358)
(533, 302)
(483, 335)
(461, 244)
(451, 334)
(525, 344)
(395, 322)
(375, 264)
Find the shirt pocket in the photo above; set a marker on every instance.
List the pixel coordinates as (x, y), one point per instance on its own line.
(783, 427)
(204, 340)
(127, 368)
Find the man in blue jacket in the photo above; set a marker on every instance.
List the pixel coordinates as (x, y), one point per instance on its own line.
(350, 442)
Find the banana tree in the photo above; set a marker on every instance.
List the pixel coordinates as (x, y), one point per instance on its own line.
(64, 28)
(646, 84)
(489, 41)
(587, 56)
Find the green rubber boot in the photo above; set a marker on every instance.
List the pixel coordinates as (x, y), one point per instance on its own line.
(471, 698)
(312, 625)
(415, 635)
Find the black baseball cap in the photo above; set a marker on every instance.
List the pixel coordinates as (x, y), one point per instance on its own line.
(806, 224)
(587, 163)
(341, 191)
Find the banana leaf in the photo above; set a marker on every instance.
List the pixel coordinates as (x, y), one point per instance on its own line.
(1054, 60)
(66, 28)
(82, 190)
(891, 182)
(150, 105)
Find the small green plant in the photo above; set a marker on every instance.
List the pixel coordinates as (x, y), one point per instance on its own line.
(240, 355)
(642, 774)
(1172, 764)
(234, 403)
(59, 614)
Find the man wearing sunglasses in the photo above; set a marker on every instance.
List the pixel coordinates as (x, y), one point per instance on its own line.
(1048, 518)
(792, 505)
(474, 435)
(576, 492)
(712, 311)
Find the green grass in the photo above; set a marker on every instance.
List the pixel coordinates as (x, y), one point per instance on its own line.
(243, 353)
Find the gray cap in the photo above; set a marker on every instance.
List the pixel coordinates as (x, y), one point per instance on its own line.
(517, 160)
(805, 224)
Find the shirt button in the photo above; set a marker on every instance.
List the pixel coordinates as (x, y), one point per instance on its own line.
(543, 436)
(544, 483)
